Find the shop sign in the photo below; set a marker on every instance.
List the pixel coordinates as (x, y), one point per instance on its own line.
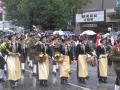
(96, 16)
(89, 25)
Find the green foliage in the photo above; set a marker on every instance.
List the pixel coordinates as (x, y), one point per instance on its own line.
(49, 14)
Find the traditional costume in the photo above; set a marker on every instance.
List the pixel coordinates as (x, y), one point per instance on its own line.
(54, 47)
(43, 66)
(32, 47)
(101, 52)
(66, 52)
(2, 61)
(5, 56)
(28, 50)
(23, 52)
(72, 46)
(115, 57)
(81, 56)
(13, 51)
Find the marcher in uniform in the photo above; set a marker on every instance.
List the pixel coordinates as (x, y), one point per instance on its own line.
(13, 51)
(101, 52)
(54, 47)
(43, 66)
(2, 61)
(115, 57)
(81, 55)
(23, 52)
(66, 52)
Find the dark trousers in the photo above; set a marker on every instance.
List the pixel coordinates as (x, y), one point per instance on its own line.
(118, 77)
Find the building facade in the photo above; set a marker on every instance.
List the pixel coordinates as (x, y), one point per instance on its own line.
(98, 16)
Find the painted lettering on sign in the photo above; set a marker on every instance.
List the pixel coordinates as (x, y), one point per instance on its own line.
(89, 17)
(95, 16)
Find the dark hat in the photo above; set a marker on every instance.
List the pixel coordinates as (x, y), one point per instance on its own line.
(33, 33)
(12, 34)
(55, 37)
(102, 38)
(65, 38)
(118, 40)
(81, 38)
(42, 36)
(6, 35)
(51, 34)
(22, 37)
(118, 35)
(17, 38)
(1, 33)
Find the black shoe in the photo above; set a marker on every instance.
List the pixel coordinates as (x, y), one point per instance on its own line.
(28, 62)
(12, 85)
(57, 69)
(69, 72)
(79, 80)
(62, 81)
(45, 83)
(23, 71)
(41, 83)
(34, 74)
(5, 71)
(100, 80)
(30, 67)
(2, 80)
(105, 80)
(54, 73)
(66, 81)
(87, 77)
(83, 81)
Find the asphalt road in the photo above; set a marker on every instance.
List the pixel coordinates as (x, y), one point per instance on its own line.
(28, 82)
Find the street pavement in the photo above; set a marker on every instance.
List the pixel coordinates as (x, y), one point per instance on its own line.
(28, 82)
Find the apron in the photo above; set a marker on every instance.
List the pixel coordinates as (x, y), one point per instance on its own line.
(43, 70)
(103, 66)
(82, 66)
(64, 66)
(14, 71)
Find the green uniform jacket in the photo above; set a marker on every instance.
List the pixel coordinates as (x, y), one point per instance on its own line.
(55, 48)
(115, 57)
(31, 45)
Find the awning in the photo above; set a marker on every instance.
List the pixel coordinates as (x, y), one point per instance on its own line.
(113, 15)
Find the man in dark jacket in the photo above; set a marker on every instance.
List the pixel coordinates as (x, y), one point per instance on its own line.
(115, 57)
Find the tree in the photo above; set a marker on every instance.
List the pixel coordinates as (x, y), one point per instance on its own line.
(12, 12)
(49, 14)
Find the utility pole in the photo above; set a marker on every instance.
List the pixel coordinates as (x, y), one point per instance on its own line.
(102, 4)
